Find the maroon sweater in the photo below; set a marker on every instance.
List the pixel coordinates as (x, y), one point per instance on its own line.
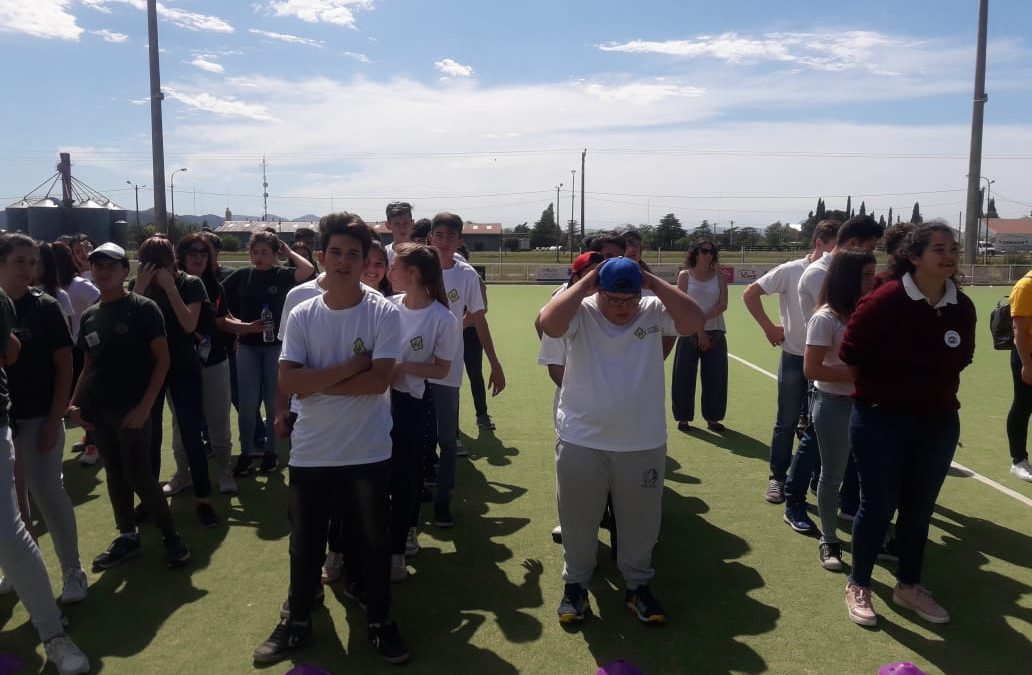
(909, 355)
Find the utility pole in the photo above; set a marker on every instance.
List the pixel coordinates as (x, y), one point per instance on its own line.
(573, 194)
(136, 188)
(172, 183)
(974, 204)
(555, 217)
(157, 136)
(583, 156)
(265, 193)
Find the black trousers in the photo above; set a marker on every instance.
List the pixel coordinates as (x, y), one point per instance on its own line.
(1020, 410)
(406, 465)
(473, 356)
(359, 494)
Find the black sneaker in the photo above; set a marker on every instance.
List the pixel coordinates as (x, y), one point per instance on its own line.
(206, 514)
(831, 556)
(79, 447)
(386, 640)
(442, 515)
(176, 552)
(574, 604)
(269, 463)
(644, 606)
(243, 466)
(286, 637)
(125, 546)
(889, 551)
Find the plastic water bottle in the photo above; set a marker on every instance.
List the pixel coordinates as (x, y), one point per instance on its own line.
(900, 668)
(269, 332)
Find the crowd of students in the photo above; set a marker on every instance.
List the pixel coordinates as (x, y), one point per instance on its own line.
(358, 358)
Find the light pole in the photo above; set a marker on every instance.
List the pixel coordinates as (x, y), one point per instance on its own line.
(988, 197)
(172, 189)
(136, 188)
(555, 217)
(573, 200)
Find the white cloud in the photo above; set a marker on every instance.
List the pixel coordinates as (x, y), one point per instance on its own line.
(641, 93)
(39, 18)
(336, 12)
(178, 17)
(110, 36)
(225, 107)
(453, 68)
(98, 5)
(285, 37)
(361, 58)
(204, 62)
(830, 52)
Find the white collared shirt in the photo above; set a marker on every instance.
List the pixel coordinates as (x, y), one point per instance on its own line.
(914, 293)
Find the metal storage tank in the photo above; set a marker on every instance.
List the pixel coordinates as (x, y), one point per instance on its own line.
(115, 214)
(119, 233)
(18, 216)
(46, 219)
(92, 219)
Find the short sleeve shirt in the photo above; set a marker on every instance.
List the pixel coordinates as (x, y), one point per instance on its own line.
(462, 286)
(825, 329)
(1021, 299)
(117, 337)
(181, 345)
(783, 280)
(41, 328)
(249, 289)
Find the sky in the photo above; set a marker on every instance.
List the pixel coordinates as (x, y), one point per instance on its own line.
(743, 111)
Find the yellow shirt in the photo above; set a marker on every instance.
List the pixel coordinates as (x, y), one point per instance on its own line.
(1021, 299)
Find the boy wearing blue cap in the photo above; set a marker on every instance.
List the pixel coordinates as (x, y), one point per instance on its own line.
(608, 327)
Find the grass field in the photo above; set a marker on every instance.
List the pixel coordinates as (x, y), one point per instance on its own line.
(744, 593)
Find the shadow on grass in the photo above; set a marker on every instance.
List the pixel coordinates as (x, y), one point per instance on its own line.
(735, 441)
(490, 447)
(986, 606)
(702, 589)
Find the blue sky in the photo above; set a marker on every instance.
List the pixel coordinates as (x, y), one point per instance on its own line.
(733, 110)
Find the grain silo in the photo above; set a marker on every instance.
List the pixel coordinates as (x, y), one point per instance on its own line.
(18, 216)
(46, 219)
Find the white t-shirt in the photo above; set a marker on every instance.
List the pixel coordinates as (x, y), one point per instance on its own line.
(613, 395)
(462, 286)
(784, 280)
(825, 330)
(810, 285)
(341, 430)
(82, 294)
(552, 353)
(425, 334)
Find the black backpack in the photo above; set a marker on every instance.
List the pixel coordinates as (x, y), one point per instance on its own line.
(1000, 325)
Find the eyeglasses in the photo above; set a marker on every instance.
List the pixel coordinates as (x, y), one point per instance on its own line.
(622, 302)
(197, 251)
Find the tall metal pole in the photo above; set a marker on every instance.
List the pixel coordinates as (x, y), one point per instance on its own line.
(555, 217)
(157, 136)
(573, 194)
(136, 188)
(172, 189)
(988, 199)
(582, 159)
(971, 226)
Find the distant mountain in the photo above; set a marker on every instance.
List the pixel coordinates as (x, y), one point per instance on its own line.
(307, 218)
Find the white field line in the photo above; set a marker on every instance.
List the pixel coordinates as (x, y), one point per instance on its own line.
(956, 465)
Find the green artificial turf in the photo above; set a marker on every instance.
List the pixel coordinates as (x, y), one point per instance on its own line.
(744, 593)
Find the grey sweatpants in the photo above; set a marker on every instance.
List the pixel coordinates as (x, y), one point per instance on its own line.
(45, 483)
(584, 479)
(19, 556)
(216, 405)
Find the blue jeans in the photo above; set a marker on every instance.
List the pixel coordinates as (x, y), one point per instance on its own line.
(446, 408)
(831, 415)
(257, 367)
(687, 357)
(186, 394)
(791, 398)
(902, 461)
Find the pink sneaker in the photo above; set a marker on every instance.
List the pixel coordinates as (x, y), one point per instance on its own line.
(858, 604)
(919, 599)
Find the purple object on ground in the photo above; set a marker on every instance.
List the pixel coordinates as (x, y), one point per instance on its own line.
(619, 667)
(9, 665)
(307, 669)
(900, 668)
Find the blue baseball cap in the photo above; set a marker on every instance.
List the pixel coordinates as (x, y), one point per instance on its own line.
(619, 275)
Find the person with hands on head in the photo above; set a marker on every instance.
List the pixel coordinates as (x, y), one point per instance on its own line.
(39, 385)
(250, 292)
(614, 373)
(126, 361)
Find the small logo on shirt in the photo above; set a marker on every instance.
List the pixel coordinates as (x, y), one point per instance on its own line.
(652, 329)
(273, 290)
(952, 339)
(453, 295)
(92, 339)
(416, 343)
(358, 347)
(649, 478)
(640, 332)
(121, 328)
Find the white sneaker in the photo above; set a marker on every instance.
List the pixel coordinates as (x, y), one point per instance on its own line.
(412, 542)
(227, 485)
(176, 484)
(66, 657)
(399, 568)
(1022, 471)
(6, 587)
(89, 456)
(74, 589)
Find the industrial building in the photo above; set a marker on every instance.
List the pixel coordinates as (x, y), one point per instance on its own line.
(79, 209)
